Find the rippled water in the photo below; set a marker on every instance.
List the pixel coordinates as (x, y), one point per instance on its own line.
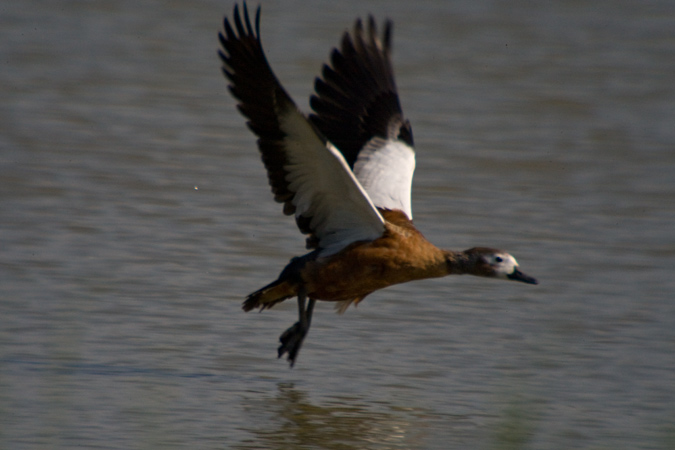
(135, 216)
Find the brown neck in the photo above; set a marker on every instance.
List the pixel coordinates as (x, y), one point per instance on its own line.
(458, 263)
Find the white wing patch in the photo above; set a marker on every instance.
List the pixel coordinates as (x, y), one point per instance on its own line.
(325, 188)
(385, 170)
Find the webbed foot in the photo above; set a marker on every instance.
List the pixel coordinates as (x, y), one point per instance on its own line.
(291, 341)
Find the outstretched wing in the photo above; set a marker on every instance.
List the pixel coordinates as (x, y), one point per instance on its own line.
(357, 108)
(306, 172)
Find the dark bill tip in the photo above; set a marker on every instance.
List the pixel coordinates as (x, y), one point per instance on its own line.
(517, 275)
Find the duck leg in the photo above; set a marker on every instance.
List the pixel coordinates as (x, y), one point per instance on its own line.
(291, 339)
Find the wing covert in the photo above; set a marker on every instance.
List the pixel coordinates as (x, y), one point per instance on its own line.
(357, 108)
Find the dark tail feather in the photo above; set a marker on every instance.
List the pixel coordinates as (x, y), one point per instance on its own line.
(270, 295)
(285, 287)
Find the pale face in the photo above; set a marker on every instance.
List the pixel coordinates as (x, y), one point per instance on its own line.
(505, 266)
(502, 264)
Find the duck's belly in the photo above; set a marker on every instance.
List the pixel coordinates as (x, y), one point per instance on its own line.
(357, 273)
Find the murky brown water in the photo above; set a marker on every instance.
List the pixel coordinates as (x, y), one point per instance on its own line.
(135, 216)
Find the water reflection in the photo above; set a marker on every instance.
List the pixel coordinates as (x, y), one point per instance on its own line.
(290, 420)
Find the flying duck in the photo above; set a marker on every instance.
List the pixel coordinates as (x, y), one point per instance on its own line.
(344, 172)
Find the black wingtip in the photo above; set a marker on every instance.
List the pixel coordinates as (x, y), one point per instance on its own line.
(386, 37)
(257, 22)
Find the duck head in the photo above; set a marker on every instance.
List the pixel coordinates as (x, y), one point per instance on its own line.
(493, 263)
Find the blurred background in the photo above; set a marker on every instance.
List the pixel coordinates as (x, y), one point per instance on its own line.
(135, 217)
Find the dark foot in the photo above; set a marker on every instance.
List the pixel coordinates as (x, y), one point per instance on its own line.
(291, 341)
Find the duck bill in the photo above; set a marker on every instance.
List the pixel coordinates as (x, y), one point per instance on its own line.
(517, 275)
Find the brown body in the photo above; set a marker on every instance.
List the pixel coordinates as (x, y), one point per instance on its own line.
(402, 254)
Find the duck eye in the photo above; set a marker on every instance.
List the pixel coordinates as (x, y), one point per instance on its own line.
(499, 259)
